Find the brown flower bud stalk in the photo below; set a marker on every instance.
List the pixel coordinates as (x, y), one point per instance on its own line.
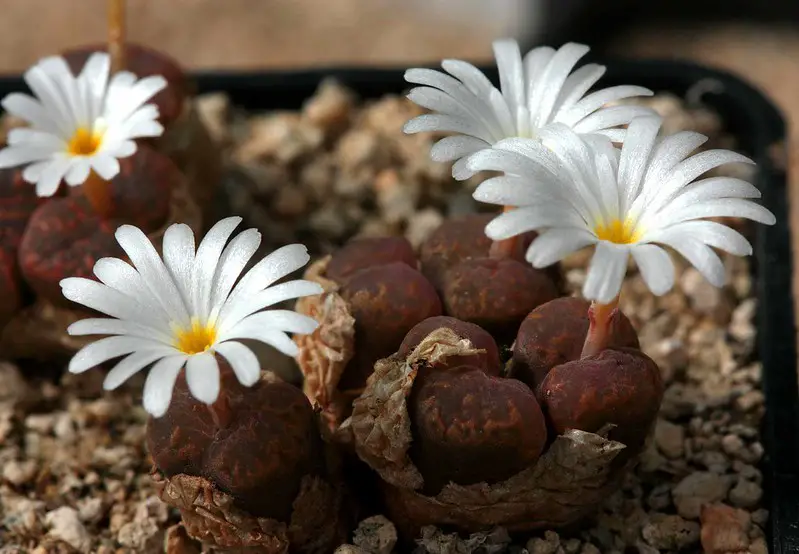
(116, 34)
(98, 191)
(504, 248)
(602, 318)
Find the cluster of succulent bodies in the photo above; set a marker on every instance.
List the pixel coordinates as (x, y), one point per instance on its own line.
(457, 381)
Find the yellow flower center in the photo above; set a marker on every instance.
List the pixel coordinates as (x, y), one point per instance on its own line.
(620, 232)
(196, 339)
(84, 142)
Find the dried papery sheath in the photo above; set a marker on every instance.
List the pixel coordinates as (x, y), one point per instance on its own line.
(78, 124)
(188, 307)
(581, 191)
(535, 91)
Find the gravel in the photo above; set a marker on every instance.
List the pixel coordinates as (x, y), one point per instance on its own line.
(75, 474)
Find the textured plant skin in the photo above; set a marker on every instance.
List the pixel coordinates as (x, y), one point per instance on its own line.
(65, 236)
(488, 361)
(10, 288)
(553, 334)
(268, 443)
(496, 294)
(144, 62)
(620, 387)
(386, 302)
(463, 238)
(470, 427)
(362, 253)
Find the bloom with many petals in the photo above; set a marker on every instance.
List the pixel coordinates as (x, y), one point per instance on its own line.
(579, 191)
(536, 90)
(187, 308)
(78, 124)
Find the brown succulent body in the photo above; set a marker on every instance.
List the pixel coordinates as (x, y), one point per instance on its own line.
(386, 302)
(496, 294)
(10, 288)
(269, 442)
(488, 361)
(620, 387)
(144, 62)
(65, 236)
(470, 427)
(18, 200)
(553, 334)
(363, 253)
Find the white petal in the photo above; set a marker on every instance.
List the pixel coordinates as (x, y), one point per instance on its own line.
(108, 326)
(723, 207)
(670, 151)
(511, 76)
(14, 156)
(276, 265)
(205, 264)
(51, 176)
(446, 123)
(471, 77)
(461, 170)
(122, 277)
(111, 302)
(128, 367)
(576, 85)
(178, 249)
(511, 191)
(153, 271)
(526, 158)
(606, 272)
(202, 376)
(243, 361)
(100, 351)
(555, 244)
(279, 320)
(531, 218)
(105, 166)
(235, 312)
(160, 383)
(634, 159)
(610, 117)
(701, 256)
(78, 172)
(713, 234)
(656, 267)
(29, 109)
(276, 339)
(552, 81)
(596, 100)
(451, 148)
(231, 264)
(33, 172)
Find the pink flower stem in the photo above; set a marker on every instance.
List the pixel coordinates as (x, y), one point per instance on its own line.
(602, 326)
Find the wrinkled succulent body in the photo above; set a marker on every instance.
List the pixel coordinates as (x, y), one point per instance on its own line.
(458, 437)
(257, 464)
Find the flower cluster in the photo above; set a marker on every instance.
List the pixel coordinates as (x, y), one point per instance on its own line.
(78, 124)
(564, 176)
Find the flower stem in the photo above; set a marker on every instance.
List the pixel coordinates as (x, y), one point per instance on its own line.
(220, 412)
(98, 192)
(504, 248)
(116, 34)
(602, 325)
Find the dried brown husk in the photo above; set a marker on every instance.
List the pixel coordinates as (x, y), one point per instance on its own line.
(573, 476)
(188, 143)
(211, 516)
(326, 352)
(39, 331)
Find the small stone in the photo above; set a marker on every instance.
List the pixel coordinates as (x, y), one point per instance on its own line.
(732, 445)
(572, 546)
(746, 494)
(65, 525)
(375, 535)
(660, 497)
(750, 400)
(589, 548)
(348, 549)
(549, 544)
(19, 473)
(177, 541)
(330, 107)
(724, 529)
(435, 541)
(758, 546)
(670, 438)
(213, 110)
(290, 201)
(696, 489)
(670, 532)
(359, 148)
(705, 298)
(421, 224)
(760, 517)
(91, 510)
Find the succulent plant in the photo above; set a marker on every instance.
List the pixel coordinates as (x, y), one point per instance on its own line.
(256, 475)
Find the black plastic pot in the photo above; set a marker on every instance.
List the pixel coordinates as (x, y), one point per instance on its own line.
(760, 133)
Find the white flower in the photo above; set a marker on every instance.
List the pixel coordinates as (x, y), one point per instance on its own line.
(537, 90)
(78, 124)
(186, 308)
(578, 192)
